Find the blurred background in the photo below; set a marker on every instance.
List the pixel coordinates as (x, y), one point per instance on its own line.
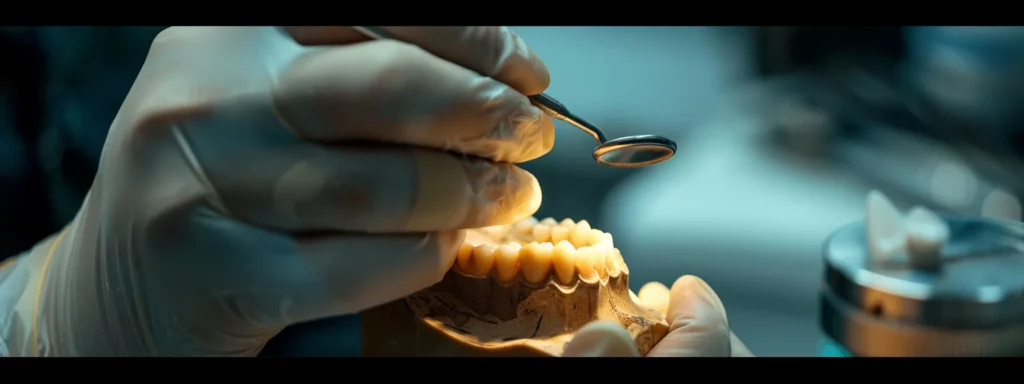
(782, 132)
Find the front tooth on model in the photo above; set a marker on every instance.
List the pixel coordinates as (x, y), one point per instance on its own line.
(580, 235)
(559, 234)
(541, 233)
(535, 262)
(568, 223)
(614, 262)
(607, 241)
(600, 261)
(549, 221)
(506, 261)
(526, 226)
(586, 265)
(482, 260)
(619, 261)
(610, 264)
(464, 258)
(564, 259)
(594, 237)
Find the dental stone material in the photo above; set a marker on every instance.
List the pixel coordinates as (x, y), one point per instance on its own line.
(516, 290)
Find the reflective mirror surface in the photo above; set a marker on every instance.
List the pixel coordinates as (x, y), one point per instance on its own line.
(635, 151)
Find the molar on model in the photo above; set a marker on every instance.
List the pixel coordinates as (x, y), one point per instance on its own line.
(516, 290)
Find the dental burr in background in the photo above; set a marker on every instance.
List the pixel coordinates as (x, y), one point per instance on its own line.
(923, 284)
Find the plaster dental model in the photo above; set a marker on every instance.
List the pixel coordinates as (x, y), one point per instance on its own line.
(519, 290)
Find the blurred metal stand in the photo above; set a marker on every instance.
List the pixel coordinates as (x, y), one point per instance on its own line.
(930, 116)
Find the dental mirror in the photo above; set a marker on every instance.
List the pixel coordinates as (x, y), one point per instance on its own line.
(624, 152)
(634, 151)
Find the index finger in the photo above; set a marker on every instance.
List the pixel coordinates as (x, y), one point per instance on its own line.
(496, 52)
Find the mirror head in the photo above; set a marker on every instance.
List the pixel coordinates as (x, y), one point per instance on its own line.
(635, 151)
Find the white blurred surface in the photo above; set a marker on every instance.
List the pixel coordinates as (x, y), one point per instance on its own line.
(749, 222)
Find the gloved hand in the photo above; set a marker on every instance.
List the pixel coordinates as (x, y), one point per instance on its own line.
(698, 326)
(259, 177)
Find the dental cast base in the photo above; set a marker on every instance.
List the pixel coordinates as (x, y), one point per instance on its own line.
(517, 290)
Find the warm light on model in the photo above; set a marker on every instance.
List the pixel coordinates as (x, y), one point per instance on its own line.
(519, 290)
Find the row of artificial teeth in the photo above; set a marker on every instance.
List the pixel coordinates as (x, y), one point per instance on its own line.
(548, 230)
(570, 250)
(535, 262)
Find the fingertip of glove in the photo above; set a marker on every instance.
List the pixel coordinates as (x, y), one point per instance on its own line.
(601, 339)
(691, 297)
(534, 137)
(448, 244)
(534, 199)
(547, 136)
(523, 197)
(523, 69)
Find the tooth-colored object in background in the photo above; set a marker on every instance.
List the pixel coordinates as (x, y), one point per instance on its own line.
(927, 233)
(885, 226)
(655, 295)
(557, 290)
(919, 236)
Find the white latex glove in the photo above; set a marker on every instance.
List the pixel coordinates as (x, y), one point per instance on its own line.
(698, 326)
(237, 193)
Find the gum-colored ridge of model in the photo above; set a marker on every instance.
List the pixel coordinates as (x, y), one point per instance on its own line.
(516, 290)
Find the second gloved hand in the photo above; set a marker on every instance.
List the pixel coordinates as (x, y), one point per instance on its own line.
(698, 326)
(259, 177)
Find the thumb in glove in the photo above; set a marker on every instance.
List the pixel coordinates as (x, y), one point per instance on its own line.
(698, 324)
